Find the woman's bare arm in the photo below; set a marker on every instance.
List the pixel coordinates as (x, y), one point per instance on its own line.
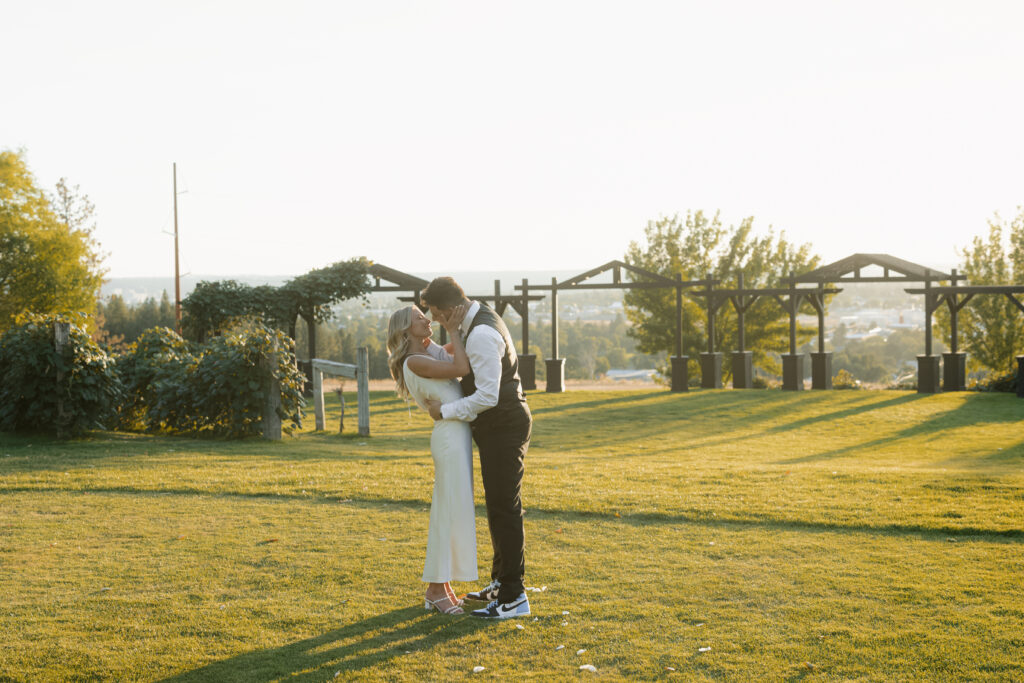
(425, 366)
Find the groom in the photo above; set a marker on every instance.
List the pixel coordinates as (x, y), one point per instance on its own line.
(496, 409)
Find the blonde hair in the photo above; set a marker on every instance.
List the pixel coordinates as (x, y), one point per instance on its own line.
(399, 347)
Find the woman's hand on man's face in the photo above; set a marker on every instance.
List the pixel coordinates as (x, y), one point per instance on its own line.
(453, 318)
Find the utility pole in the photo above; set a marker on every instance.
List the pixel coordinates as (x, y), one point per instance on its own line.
(177, 276)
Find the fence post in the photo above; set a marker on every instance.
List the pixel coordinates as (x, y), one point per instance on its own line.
(341, 401)
(298, 412)
(61, 334)
(271, 385)
(363, 384)
(318, 396)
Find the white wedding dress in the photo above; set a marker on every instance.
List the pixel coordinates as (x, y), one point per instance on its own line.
(451, 540)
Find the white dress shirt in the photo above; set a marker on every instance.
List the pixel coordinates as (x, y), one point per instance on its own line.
(485, 350)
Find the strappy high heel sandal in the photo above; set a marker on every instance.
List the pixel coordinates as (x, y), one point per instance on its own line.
(429, 604)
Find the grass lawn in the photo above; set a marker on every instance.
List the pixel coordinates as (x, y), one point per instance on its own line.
(820, 535)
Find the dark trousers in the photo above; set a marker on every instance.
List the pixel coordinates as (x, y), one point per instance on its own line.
(502, 441)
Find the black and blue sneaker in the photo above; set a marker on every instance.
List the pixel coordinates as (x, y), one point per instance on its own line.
(485, 594)
(520, 607)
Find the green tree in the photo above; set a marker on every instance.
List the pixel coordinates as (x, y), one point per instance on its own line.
(213, 305)
(991, 327)
(121, 324)
(699, 247)
(49, 261)
(75, 211)
(312, 295)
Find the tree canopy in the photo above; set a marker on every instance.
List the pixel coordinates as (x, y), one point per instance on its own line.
(701, 246)
(991, 327)
(212, 305)
(49, 261)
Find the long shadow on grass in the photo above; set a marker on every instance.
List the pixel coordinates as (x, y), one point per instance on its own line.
(924, 532)
(859, 408)
(732, 412)
(973, 411)
(642, 519)
(636, 397)
(316, 497)
(349, 649)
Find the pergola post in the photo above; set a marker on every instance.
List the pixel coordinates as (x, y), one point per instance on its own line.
(821, 361)
(680, 378)
(527, 360)
(928, 364)
(710, 361)
(954, 362)
(792, 362)
(742, 360)
(555, 365)
(1020, 376)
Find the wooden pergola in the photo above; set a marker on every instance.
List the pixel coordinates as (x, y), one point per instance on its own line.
(399, 281)
(954, 362)
(845, 271)
(742, 298)
(639, 279)
(848, 270)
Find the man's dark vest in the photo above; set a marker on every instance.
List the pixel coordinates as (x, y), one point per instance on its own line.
(510, 392)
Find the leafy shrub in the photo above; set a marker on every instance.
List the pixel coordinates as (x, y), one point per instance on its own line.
(227, 382)
(759, 381)
(153, 371)
(216, 388)
(31, 399)
(844, 380)
(993, 382)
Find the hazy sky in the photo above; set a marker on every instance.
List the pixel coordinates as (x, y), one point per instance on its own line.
(530, 135)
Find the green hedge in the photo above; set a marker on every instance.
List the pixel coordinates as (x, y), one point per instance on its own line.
(160, 384)
(215, 388)
(31, 397)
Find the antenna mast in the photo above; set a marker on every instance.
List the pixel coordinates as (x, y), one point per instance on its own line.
(177, 276)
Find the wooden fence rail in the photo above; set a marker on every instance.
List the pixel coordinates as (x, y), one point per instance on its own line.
(358, 372)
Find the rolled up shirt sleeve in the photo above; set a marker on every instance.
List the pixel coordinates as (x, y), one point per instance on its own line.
(485, 348)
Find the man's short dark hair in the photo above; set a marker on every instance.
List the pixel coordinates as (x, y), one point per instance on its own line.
(443, 292)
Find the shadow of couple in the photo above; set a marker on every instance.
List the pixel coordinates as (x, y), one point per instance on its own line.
(344, 650)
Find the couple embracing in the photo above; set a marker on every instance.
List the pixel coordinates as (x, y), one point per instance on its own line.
(487, 406)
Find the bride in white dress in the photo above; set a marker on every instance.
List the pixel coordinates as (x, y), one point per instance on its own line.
(451, 540)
